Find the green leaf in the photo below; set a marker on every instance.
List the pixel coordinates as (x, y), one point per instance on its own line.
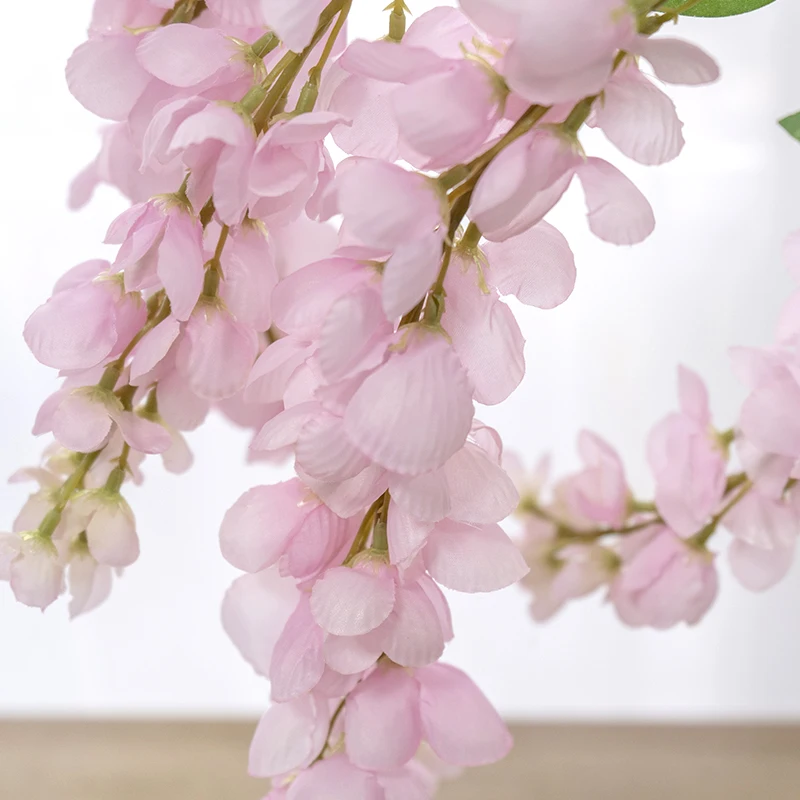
(791, 125)
(719, 8)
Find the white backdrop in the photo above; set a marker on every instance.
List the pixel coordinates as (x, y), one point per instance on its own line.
(708, 278)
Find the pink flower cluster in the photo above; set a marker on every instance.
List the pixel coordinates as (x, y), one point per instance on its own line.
(361, 350)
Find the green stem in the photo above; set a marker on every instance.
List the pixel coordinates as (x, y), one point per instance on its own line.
(397, 20)
(364, 530)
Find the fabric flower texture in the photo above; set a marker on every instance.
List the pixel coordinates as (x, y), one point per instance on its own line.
(328, 241)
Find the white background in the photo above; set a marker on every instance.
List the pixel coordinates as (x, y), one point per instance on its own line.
(710, 277)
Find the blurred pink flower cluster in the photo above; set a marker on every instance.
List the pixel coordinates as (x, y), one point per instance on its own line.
(351, 315)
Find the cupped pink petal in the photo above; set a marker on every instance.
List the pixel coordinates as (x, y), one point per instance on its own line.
(693, 396)
(639, 119)
(284, 428)
(318, 539)
(297, 662)
(37, 578)
(275, 366)
(105, 77)
(184, 55)
(157, 141)
(537, 266)
(256, 529)
(771, 417)
(412, 636)
(385, 61)
(214, 123)
(246, 13)
(500, 18)
(335, 779)
(480, 490)
(326, 453)
(618, 212)
(153, 348)
(81, 423)
(470, 559)
(407, 535)
(111, 535)
(459, 723)
(677, 61)
(447, 116)
(178, 406)
(294, 23)
(390, 696)
(486, 338)
(82, 274)
(442, 30)
(415, 412)
(75, 329)
(248, 264)
(757, 568)
(254, 612)
(351, 326)
(180, 263)
(410, 273)
(143, 435)
(89, 585)
(386, 206)
(289, 737)
(436, 596)
(352, 496)
(352, 601)
(216, 353)
(352, 655)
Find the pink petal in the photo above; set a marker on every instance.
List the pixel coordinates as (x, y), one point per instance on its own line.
(284, 428)
(105, 77)
(75, 329)
(352, 496)
(246, 13)
(386, 206)
(350, 602)
(428, 414)
(425, 497)
(184, 55)
(297, 663)
(459, 722)
(143, 435)
(335, 779)
(303, 300)
(216, 353)
(486, 338)
(111, 534)
(442, 30)
(410, 273)
(180, 263)
(385, 61)
(470, 559)
(289, 737)
(318, 540)
(771, 417)
(81, 274)
(677, 61)
(294, 23)
(256, 529)
(37, 579)
(178, 406)
(275, 366)
(412, 635)
(250, 276)
(758, 569)
(480, 490)
(351, 326)
(639, 119)
(407, 535)
(537, 266)
(618, 212)
(153, 348)
(81, 423)
(436, 596)
(254, 612)
(352, 655)
(325, 452)
(388, 695)
(693, 396)
(89, 585)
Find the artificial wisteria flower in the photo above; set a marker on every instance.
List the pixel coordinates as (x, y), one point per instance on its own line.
(351, 315)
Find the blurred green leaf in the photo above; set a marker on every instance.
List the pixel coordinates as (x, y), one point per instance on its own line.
(791, 125)
(719, 8)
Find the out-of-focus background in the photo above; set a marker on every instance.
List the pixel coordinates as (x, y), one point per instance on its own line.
(710, 277)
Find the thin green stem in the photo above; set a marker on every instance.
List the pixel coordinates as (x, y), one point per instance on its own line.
(334, 718)
(364, 530)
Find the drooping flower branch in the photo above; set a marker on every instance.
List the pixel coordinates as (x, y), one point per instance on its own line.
(361, 353)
